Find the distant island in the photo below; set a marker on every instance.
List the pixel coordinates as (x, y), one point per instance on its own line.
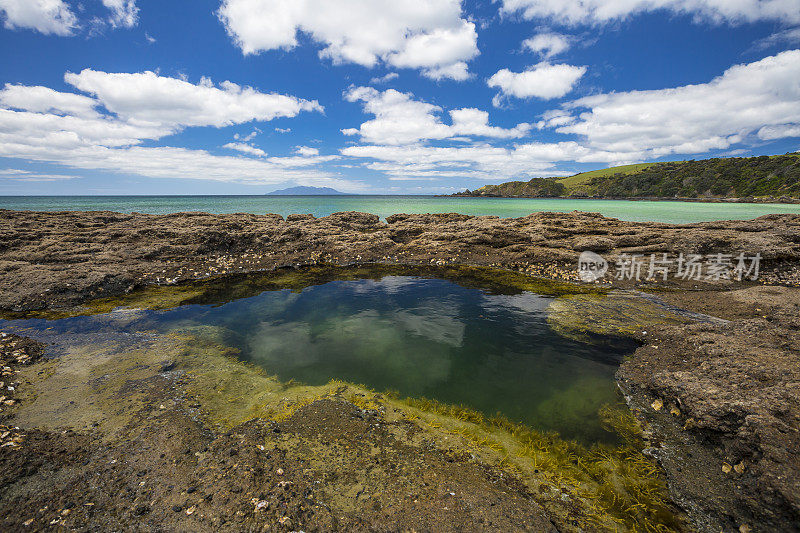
(306, 191)
(745, 179)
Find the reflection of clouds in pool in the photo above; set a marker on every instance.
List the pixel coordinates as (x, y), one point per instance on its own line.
(364, 346)
(387, 284)
(288, 343)
(435, 320)
(526, 302)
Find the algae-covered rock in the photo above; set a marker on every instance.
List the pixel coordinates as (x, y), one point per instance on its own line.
(587, 317)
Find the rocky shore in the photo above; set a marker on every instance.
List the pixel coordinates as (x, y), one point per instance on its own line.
(720, 399)
(50, 260)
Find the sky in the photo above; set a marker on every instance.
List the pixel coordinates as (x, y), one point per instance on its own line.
(105, 97)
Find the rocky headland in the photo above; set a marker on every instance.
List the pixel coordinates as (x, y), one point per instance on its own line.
(719, 397)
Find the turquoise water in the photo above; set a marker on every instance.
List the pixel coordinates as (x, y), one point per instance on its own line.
(421, 337)
(383, 206)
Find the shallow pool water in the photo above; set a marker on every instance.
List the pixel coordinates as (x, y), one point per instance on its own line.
(417, 336)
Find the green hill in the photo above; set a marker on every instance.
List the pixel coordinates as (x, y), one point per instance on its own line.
(537, 187)
(574, 182)
(734, 177)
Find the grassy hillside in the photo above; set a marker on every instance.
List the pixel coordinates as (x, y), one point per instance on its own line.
(537, 187)
(573, 182)
(735, 177)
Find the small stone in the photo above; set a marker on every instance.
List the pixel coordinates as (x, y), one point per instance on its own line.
(739, 468)
(657, 405)
(191, 510)
(675, 411)
(744, 528)
(726, 468)
(29, 521)
(280, 471)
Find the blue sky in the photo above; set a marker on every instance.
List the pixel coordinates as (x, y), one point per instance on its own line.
(381, 97)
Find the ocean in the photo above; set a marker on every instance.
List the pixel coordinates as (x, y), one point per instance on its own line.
(383, 206)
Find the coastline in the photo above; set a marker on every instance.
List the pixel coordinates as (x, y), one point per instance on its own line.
(684, 382)
(710, 200)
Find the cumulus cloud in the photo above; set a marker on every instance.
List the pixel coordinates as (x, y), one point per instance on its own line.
(478, 161)
(124, 13)
(430, 35)
(761, 97)
(246, 148)
(306, 151)
(760, 100)
(45, 16)
(602, 11)
(400, 119)
(146, 97)
(44, 99)
(548, 44)
(40, 124)
(544, 80)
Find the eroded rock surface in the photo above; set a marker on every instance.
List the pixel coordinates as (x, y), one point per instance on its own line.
(724, 403)
(57, 259)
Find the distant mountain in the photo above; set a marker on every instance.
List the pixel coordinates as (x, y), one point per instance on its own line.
(306, 191)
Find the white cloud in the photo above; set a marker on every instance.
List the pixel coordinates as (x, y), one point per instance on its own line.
(306, 151)
(760, 100)
(762, 97)
(384, 79)
(246, 149)
(479, 161)
(399, 119)
(124, 13)
(424, 34)
(45, 16)
(146, 97)
(249, 137)
(44, 99)
(548, 44)
(602, 11)
(26, 175)
(283, 130)
(789, 36)
(544, 80)
(456, 71)
(39, 124)
(70, 131)
(782, 131)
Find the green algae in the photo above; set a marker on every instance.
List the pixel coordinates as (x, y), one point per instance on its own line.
(110, 385)
(587, 317)
(604, 487)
